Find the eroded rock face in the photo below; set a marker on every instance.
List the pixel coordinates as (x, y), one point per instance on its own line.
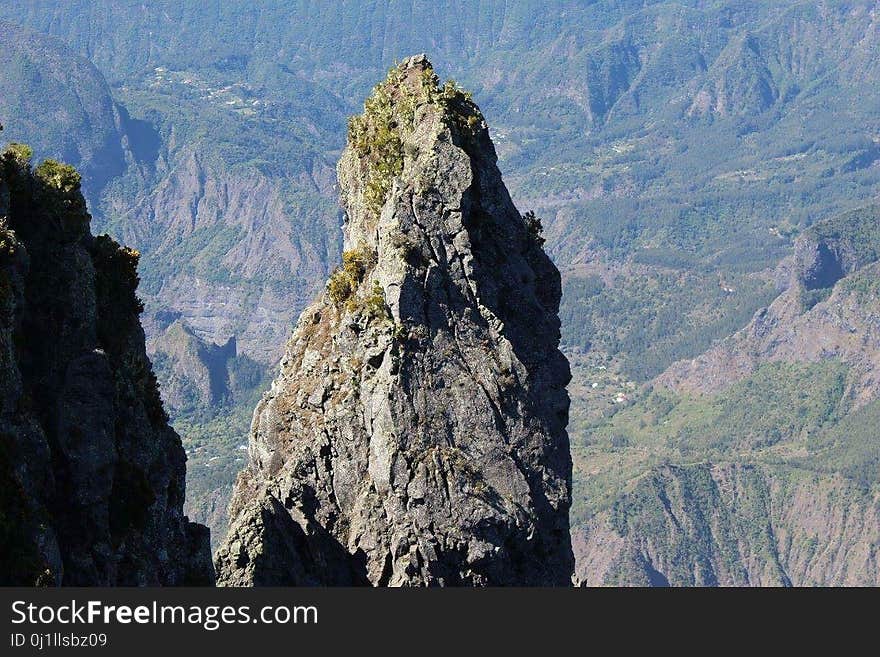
(91, 474)
(416, 434)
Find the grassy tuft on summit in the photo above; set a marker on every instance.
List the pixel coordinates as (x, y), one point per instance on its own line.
(389, 113)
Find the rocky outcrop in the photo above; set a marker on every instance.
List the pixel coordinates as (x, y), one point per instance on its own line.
(734, 525)
(416, 434)
(92, 476)
(197, 373)
(199, 376)
(835, 248)
(829, 310)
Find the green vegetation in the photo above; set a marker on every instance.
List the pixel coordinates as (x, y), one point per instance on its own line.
(457, 103)
(856, 234)
(377, 135)
(60, 197)
(61, 177)
(59, 103)
(21, 154)
(865, 285)
(375, 303)
(345, 280)
(245, 374)
(705, 549)
(850, 447)
(376, 138)
(215, 440)
(779, 402)
(8, 244)
(772, 416)
(198, 255)
(535, 227)
(649, 318)
(810, 298)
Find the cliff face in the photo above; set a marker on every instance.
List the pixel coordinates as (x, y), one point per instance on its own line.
(416, 433)
(734, 525)
(92, 475)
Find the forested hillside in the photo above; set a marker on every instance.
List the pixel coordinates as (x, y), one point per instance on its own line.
(758, 461)
(59, 103)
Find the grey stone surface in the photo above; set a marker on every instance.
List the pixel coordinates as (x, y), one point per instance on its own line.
(416, 433)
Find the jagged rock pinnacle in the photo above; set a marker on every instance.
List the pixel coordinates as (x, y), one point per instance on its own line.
(416, 434)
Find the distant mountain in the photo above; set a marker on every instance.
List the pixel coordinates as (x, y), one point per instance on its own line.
(828, 311)
(678, 133)
(58, 103)
(758, 461)
(733, 525)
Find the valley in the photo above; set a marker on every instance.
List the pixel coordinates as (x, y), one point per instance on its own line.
(687, 159)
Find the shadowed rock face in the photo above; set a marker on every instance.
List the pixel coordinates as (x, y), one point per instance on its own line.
(91, 475)
(821, 267)
(416, 434)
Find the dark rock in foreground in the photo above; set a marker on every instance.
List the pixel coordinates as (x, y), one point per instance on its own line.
(91, 474)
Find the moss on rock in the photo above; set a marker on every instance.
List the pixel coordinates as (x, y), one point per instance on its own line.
(377, 135)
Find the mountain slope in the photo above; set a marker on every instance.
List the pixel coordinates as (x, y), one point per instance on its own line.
(60, 104)
(605, 124)
(815, 319)
(758, 462)
(734, 525)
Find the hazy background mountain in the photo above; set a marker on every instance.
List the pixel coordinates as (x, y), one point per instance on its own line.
(61, 104)
(675, 150)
